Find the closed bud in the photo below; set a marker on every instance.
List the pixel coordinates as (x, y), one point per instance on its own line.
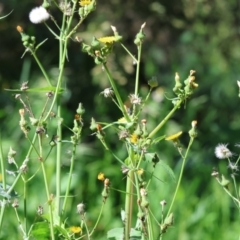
(95, 43)
(224, 182)
(193, 132)
(138, 132)
(153, 82)
(80, 109)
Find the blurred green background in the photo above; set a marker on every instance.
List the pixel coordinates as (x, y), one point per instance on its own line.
(180, 35)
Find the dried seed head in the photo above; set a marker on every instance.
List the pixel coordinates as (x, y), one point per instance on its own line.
(107, 92)
(15, 203)
(38, 15)
(163, 203)
(222, 152)
(134, 99)
(40, 210)
(123, 134)
(214, 173)
(80, 208)
(50, 94)
(24, 86)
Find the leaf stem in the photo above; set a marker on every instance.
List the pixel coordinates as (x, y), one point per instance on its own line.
(180, 176)
(159, 126)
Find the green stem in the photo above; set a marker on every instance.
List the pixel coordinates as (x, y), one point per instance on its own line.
(138, 69)
(27, 157)
(3, 172)
(42, 69)
(180, 176)
(134, 59)
(50, 209)
(155, 130)
(69, 179)
(25, 204)
(99, 217)
(62, 57)
(150, 228)
(114, 87)
(128, 204)
(58, 161)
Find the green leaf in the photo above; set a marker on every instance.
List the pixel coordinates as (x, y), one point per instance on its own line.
(118, 234)
(63, 232)
(40, 231)
(152, 158)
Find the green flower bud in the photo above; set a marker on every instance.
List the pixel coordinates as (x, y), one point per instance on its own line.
(80, 109)
(25, 37)
(118, 38)
(33, 39)
(25, 44)
(153, 82)
(98, 60)
(138, 131)
(46, 4)
(224, 182)
(95, 43)
(137, 41)
(91, 7)
(86, 48)
(81, 12)
(140, 35)
(93, 125)
(144, 202)
(193, 132)
(52, 143)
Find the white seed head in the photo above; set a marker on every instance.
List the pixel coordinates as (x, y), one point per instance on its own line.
(108, 92)
(222, 152)
(135, 99)
(38, 15)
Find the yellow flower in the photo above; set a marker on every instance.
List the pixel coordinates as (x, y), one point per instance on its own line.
(174, 137)
(101, 176)
(110, 39)
(134, 138)
(84, 2)
(75, 229)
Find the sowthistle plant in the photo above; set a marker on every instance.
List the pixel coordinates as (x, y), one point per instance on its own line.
(131, 129)
(228, 183)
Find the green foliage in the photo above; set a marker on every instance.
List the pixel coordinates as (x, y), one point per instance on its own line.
(177, 39)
